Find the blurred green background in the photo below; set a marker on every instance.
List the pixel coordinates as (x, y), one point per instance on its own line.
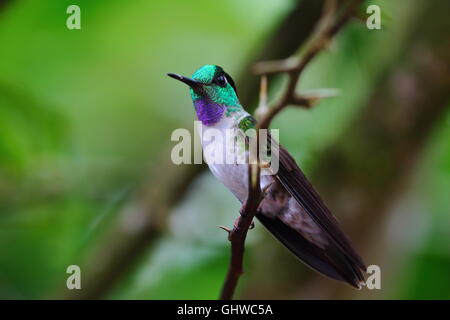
(85, 123)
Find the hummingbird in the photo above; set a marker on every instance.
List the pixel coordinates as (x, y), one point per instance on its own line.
(291, 209)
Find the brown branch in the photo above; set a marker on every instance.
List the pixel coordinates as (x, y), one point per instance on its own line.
(331, 23)
(243, 223)
(291, 33)
(238, 234)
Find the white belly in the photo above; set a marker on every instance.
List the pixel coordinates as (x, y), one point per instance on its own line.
(234, 177)
(234, 174)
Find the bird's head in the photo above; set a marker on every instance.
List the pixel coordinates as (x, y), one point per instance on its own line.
(213, 93)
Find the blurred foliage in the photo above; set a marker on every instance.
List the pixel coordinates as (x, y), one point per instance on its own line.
(84, 113)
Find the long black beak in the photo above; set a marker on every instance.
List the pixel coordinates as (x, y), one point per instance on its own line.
(190, 82)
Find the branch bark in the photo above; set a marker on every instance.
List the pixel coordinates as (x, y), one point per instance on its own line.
(238, 234)
(328, 26)
(293, 32)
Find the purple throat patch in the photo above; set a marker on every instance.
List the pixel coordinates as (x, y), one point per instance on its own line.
(208, 112)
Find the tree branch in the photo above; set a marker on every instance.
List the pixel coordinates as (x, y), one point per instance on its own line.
(328, 26)
(238, 234)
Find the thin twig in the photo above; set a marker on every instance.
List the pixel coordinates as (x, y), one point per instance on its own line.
(328, 26)
(243, 223)
(262, 108)
(294, 67)
(238, 234)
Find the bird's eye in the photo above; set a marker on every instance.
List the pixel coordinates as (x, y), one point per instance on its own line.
(221, 81)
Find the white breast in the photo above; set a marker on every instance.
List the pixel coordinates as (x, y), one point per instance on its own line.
(233, 176)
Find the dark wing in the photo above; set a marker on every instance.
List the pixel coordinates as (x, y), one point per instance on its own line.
(338, 260)
(328, 261)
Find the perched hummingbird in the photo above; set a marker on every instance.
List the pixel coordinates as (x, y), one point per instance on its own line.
(291, 209)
